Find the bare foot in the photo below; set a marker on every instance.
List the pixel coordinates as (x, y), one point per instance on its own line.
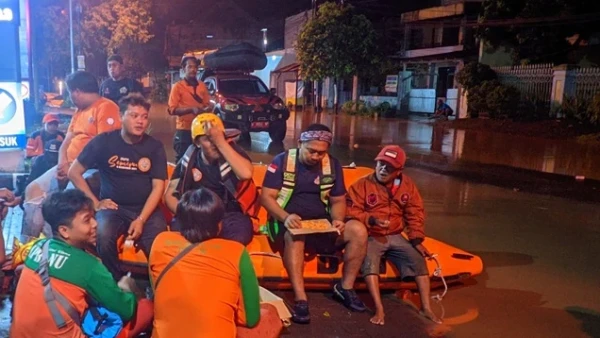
(430, 315)
(378, 318)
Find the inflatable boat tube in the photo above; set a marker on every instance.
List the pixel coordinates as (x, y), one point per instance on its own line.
(321, 271)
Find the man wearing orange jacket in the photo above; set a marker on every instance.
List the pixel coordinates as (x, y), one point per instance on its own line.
(50, 132)
(388, 203)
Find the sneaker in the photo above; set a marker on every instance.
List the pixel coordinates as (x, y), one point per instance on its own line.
(300, 313)
(349, 298)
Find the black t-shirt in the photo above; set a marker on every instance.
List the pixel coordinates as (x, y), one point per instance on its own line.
(115, 90)
(126, 170)
(209, 177)
(306, 197)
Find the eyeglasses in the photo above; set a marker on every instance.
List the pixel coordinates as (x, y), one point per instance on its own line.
(315, 152)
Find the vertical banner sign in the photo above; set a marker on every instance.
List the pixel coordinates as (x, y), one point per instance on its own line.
(391, 84)
(12, 119)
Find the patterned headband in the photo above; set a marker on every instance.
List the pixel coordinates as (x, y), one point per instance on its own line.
(316, 135)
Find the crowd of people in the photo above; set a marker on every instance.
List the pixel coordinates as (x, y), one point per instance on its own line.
(208, 286)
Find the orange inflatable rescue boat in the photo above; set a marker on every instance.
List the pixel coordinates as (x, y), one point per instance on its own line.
(320, 271)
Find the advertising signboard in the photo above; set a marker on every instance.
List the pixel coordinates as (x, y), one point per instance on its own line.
(12, 120)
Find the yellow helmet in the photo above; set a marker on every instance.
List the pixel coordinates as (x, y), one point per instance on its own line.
(200, 121)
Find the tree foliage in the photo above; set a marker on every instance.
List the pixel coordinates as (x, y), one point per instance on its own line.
(112, 24)
(54, 39)
(474, 74)
(337, 43)
(535, 43)
(104, 27)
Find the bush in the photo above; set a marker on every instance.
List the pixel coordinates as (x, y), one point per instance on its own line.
(503, 101)
(474, 74)
(576, 108)
(494, 98)
(359, 109)
(531, 109)
(593, 111)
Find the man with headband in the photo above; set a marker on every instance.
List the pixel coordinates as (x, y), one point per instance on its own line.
(215, 162)
(388, 203)
(306, 184)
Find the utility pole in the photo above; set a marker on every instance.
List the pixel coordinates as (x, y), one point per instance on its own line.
(71, 35)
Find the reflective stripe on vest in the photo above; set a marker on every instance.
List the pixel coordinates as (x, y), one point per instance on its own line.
(326, 182)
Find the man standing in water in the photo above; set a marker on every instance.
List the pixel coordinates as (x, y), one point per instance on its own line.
(189, 97)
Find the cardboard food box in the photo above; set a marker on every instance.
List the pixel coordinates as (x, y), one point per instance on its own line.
(315, 226)
(269, 297)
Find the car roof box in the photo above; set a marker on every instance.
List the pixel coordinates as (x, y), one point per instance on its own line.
(237, 57)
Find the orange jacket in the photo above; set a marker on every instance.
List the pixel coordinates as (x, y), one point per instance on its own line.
(368, 200)
(35, 143)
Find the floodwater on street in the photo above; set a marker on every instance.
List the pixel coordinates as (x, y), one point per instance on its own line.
(540, 253)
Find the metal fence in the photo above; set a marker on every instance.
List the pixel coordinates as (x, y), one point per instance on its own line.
(587, 83)
(533, 81)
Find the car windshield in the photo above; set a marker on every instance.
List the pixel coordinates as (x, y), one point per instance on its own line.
(242, 87)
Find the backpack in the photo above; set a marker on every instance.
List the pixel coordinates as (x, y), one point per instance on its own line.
(98, 322)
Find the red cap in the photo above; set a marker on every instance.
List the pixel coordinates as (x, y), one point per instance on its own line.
(393, 155)
(50, 118)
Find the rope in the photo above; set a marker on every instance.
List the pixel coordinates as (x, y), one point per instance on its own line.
(438, 273)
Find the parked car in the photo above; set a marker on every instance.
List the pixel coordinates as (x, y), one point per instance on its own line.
(244, 102)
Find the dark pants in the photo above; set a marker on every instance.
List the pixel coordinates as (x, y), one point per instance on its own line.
(181, 142)
(114, 223)
(236, 227)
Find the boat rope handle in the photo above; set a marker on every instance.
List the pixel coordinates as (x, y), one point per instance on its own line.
(438, 273)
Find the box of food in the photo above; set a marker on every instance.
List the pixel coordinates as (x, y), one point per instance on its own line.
(314, 226)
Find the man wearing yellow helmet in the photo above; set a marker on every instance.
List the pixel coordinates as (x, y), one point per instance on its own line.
(215, 162)
(189, 97)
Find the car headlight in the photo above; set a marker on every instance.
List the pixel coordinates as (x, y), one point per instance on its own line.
(231, 106)
(278, 106)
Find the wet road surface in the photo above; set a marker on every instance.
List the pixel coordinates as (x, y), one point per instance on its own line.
(541, 255)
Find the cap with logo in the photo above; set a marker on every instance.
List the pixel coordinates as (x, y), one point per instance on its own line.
(48, 118)
(393, 155)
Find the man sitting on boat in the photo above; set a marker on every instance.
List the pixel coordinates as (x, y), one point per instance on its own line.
(215, 162)
(133, 170)
(205, 286)
(388, 203)
(308, 184)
